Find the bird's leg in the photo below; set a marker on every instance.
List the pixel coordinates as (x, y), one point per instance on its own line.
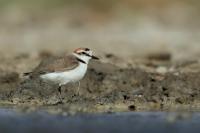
(60, 91)
(77, 91)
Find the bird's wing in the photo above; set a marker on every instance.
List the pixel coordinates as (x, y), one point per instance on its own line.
(56, 64)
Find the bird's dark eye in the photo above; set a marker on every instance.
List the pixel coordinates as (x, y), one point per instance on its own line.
(87, 49)
(86, 54)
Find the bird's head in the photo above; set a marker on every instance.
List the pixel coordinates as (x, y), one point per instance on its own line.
(84, 54)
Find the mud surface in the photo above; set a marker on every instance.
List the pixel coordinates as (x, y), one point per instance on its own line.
(154, 82)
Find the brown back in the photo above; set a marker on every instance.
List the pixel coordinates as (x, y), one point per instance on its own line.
(55, 64)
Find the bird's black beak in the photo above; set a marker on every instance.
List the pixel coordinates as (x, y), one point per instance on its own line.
(94, 57)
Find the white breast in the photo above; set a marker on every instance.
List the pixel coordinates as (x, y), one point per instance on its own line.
(67, 76)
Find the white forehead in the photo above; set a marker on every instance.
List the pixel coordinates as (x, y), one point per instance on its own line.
(79, 50)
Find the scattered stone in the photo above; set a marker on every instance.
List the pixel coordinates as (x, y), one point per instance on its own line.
(9, 77)
(132, 107)
(165, 56)
(161, 70)
(109, 55)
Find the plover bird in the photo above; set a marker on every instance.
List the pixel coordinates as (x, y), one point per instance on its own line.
(64, 70)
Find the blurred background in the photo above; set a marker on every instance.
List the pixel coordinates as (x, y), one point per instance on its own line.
(126, 28)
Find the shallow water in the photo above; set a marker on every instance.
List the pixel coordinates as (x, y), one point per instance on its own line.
(157, 122)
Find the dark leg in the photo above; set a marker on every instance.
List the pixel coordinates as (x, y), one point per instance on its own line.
(77, 89)
(60, 91)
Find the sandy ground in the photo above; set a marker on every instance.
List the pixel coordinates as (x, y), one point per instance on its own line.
(151, 83)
